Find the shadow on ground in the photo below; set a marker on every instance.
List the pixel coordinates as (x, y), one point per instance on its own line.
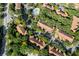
(2, 40)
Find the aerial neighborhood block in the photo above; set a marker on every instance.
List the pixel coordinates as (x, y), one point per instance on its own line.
(39, 29)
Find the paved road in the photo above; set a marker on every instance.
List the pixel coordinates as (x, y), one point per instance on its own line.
(8, 17)
(6, 21)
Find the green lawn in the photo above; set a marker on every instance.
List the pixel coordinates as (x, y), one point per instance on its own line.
(15, 40)
(52, 19)
(1, 22)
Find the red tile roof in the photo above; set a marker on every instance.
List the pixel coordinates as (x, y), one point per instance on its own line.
(45, 27)
(21, 30)
(55, 51)
(47, 5)
(75, 23)
(64, 14)
(39, 43)
(51, 7)
(65, 37)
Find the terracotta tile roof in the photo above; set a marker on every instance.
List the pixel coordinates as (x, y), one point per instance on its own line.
(45, 27)
(55, 51)
(17, 5)
(75, 23)
(39, 43)
(65, 36)
(64, 14)
(21, 30)
(47, 5)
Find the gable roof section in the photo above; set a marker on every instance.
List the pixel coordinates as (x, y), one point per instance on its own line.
(66, 37)
(45, 27)
(39, 43)
(75, 23)
(47, 5)
(21, 30)
(55, 51)
(61, 35)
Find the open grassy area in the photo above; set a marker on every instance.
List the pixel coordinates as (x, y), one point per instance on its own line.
(52, 19)
(63, 23)
(18, 44)
(15, 41)
(1, 22)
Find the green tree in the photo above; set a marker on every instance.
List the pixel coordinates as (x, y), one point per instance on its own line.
(43, 52)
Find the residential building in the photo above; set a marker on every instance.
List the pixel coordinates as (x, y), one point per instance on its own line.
(59, 11)
(38, 42)
(75, 23)
(21, 30)
(47, 5)
(64, 14)
(63, 36)
(55, 51)
(45, 27)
